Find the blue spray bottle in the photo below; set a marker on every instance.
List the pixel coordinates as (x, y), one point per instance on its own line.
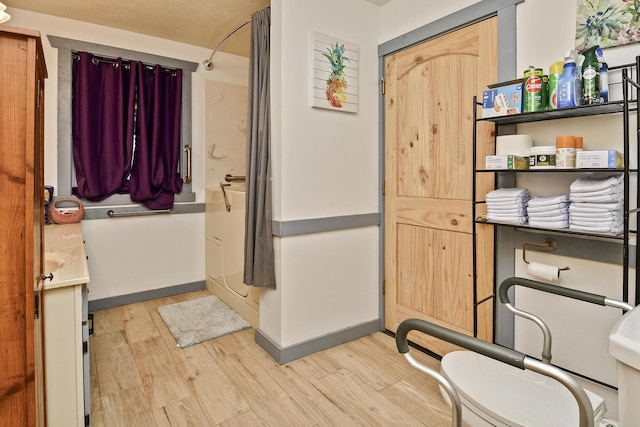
(570, 85)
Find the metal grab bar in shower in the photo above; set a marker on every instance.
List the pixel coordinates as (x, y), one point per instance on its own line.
(228, 177)
(113, 214)
(187, 177)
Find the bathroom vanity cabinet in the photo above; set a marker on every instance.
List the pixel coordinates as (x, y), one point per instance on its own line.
(67, 328)
(22, 76)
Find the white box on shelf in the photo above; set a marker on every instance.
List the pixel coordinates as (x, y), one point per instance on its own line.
(599, 159)
(507, 162)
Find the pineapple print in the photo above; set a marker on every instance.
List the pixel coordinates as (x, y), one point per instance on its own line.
(336, 84)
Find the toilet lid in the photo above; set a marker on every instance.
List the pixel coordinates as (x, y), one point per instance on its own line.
(511, 395)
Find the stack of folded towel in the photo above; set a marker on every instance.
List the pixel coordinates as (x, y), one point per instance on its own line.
(549, 212)
(597, 205)
(508, 205)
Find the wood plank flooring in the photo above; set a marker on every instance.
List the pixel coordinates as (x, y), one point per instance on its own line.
(139, 377)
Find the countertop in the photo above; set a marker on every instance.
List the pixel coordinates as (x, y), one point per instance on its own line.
(64, 256)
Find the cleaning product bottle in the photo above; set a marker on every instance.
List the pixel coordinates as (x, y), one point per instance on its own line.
(567, 96)
(590, 77)
(604, 76)
(555, 72)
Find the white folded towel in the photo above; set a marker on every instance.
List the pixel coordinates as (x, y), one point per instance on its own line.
(614, 196)
(564, 208)
(561, 217)
(596, 229)
(511, 219)
(512, 212)
(549, 224)
(587, 207)
(589, 184)
(548, 200)
(506, 202)
(600, 216)
(502, 194)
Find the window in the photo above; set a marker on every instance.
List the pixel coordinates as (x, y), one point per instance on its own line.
(66, 173)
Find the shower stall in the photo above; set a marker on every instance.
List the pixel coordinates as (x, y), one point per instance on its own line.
(225, 167)
(224, 249)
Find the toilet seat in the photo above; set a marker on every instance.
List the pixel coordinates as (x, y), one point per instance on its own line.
(507, 396)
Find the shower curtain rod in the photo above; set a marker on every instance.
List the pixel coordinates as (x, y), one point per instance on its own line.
(207, 64)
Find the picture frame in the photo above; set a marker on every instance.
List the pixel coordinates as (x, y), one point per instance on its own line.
(606, 23)
(335, 64)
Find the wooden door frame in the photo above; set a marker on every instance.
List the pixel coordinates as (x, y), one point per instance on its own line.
(505, 10)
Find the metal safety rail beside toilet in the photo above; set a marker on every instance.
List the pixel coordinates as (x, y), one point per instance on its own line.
(468, 379)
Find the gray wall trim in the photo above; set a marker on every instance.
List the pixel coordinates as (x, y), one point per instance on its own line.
(319, 225)
(65, 155)
(119, 300)
(507, 43)
(115, 52)
(287, 354)
(101, 212)
(449, 23)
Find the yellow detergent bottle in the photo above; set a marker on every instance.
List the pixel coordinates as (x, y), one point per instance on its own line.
(555, 72)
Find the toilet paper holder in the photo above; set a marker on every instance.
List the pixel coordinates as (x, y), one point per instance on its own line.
(548, 245)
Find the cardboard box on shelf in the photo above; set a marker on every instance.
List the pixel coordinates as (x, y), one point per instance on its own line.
(599, 159)
(507, 162)
(502, 100)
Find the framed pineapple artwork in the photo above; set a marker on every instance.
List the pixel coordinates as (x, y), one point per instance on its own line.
(335, 73)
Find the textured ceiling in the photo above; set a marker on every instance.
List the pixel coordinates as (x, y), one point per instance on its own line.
(198, 22)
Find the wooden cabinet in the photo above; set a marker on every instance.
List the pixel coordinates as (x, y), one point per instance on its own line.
(22, 74)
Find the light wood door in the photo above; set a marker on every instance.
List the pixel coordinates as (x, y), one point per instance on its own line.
(428, 181)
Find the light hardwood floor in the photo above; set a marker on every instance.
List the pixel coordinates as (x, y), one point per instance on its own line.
(139, 377)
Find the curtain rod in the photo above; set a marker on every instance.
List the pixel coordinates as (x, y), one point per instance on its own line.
(125, 62)
(207, 64)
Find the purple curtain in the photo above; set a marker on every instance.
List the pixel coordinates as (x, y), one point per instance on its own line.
(103, 124)
(155, 177)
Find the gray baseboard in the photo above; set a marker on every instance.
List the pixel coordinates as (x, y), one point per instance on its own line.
(104, 303)
(284, 355)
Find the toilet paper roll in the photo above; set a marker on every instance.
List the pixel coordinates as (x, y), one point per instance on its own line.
(518, 145)
(543, 271)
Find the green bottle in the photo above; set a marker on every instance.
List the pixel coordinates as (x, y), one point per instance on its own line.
(590, 77)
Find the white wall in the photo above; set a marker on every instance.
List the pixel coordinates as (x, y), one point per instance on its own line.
(324, 165)
(399, 17)
(132, 255)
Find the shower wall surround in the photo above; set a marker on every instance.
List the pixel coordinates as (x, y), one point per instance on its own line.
(225, 131)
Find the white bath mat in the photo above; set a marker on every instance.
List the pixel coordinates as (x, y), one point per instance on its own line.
(195, 321)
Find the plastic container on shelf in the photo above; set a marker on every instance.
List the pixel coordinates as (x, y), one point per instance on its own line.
(555, 73)
(570, 85)
(566, 152)
(542, 157)
(590, 77)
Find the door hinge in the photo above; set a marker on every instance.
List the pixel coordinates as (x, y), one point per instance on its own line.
(37, 304)
(382, 85)
(85, 347)
(384, 287)
(384, 187)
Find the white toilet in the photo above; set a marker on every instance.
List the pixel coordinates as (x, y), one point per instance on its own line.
(496, 394)
(624, 346)
(493, 393)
